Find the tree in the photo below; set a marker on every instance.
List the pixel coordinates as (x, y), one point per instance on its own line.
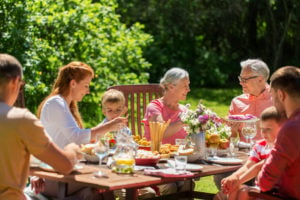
(210, 38)
(56, 32)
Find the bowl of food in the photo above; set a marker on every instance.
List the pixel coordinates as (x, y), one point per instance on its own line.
(147, 161)
(88, 153)
(146, 158)
(143, 147)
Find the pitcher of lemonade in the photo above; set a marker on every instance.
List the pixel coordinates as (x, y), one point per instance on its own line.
(124, 155)
(124, 161)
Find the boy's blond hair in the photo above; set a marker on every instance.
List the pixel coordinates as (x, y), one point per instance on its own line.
(112, 96)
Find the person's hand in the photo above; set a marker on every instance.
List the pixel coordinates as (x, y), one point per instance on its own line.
(72, 147)
(37, 184)
(229, 184)
(235, 126)
(124, 111)
(117, 123)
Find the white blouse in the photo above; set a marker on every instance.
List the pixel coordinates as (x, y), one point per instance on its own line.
(60, 123)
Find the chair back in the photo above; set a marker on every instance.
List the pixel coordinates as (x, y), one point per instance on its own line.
(137, 97)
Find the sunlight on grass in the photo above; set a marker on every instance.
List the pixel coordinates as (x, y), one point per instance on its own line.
(206, 184)
(218, 100)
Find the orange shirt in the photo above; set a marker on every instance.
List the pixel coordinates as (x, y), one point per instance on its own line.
(250, 104)
(21, 135)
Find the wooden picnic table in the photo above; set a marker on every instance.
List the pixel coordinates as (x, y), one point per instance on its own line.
(115, 181)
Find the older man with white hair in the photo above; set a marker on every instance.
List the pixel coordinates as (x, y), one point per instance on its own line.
(256, 95)
(255, 98)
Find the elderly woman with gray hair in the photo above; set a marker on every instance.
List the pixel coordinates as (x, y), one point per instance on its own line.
(175, 84)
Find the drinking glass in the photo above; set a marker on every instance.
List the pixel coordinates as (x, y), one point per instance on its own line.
(180, 163)
(249, 132)
(234, 141)
(213, 149)
(180, 143)
(101, 150)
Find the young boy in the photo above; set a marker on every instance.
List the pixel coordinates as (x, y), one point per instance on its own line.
(113, 105)
(271, 121)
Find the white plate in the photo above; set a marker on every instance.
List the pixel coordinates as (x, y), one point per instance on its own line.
(141, 168)
(225, 160)
(189, 167)
(49, 168)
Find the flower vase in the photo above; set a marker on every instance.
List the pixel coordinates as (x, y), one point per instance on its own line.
(199, 141)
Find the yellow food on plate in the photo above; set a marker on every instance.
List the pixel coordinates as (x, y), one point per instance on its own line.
(88, 149)
(136, 138)
(146, 154)
(141, 141)
(224, 144)
(214, 138)
(183, 152)
(165, 155)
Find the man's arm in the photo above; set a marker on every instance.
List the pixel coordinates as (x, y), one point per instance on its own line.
(61, 160)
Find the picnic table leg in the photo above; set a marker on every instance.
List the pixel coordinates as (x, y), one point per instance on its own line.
(131, 194)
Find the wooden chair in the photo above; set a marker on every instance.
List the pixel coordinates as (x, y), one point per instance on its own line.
(137, 98)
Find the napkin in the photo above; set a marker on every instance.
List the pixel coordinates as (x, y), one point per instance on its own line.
(168, 173)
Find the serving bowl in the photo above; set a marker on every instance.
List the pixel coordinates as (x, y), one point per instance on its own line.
(147, 161)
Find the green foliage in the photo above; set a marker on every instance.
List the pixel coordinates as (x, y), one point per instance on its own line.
(210, 38)
(53, 33)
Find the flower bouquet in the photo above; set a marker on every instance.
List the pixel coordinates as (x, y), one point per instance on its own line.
(203, 120)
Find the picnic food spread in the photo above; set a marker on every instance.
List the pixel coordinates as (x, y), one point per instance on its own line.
(157, 130)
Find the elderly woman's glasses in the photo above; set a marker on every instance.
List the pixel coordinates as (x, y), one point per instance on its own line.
(244, 80)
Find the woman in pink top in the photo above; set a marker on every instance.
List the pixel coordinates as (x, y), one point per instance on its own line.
(175, 84)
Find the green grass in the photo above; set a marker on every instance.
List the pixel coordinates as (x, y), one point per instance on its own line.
(218, 100)
(206, 184)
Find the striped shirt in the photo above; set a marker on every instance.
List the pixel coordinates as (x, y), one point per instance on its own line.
(260, 151)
